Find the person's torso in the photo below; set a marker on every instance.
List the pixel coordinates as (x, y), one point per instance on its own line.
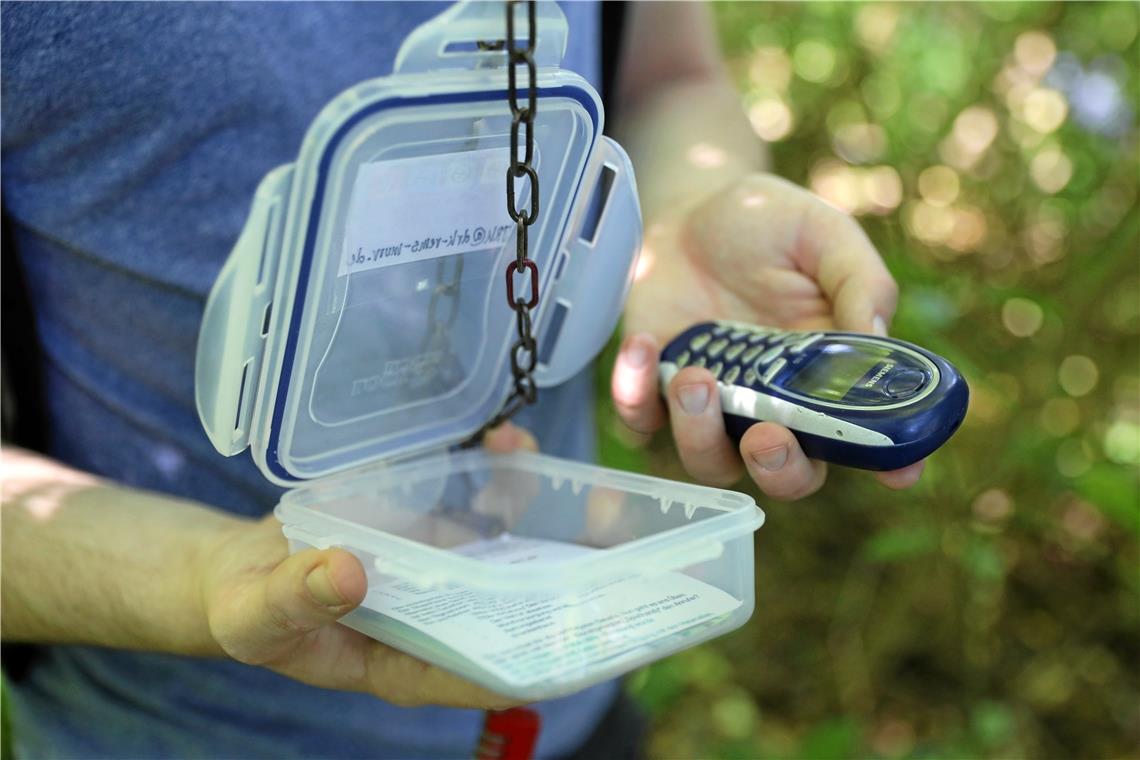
(134, 135)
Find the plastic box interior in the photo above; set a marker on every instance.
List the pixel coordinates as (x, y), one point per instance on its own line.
(410, 523)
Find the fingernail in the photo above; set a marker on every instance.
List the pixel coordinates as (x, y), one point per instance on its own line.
(879, 326)
(320, 585)
(636, 354)
(771, 459)
(694, 398)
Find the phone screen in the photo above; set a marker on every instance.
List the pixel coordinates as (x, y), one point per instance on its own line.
(833, 373)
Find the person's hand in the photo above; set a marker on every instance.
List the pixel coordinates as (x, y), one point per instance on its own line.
(763, 251)
(278, 611)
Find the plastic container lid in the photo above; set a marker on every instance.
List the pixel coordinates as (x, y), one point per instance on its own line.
(363, 315)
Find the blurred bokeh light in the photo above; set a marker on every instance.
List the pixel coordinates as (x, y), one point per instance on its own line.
(991, 152)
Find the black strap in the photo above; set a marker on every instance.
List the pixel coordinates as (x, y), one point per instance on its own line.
(613, 27)
(22, 418)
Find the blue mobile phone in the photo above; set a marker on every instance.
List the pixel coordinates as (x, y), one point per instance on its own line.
(855, 400)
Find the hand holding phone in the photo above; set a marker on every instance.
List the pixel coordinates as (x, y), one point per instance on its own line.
(858, 400)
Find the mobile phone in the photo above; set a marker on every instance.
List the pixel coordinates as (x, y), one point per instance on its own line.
(857, 400)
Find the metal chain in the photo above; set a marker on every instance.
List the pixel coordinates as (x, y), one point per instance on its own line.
(514, 732)
(524, 351)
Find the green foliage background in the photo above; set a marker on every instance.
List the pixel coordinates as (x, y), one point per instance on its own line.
(992, 610)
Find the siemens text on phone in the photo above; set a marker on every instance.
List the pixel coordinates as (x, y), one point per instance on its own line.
(856, 400)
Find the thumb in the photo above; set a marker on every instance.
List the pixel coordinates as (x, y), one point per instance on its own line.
(844, 262)
(864, 302)
(304, 593)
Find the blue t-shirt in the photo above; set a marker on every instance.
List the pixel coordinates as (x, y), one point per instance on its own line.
(134, 135)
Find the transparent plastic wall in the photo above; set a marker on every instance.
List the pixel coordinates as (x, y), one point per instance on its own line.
(411, 523)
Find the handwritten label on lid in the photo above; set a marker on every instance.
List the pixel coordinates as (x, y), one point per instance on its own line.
(413, 209)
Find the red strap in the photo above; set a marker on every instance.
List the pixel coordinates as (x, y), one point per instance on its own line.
(508, 735)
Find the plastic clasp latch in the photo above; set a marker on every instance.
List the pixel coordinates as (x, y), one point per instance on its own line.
(451, 39)
(593, 270)
(238, 319)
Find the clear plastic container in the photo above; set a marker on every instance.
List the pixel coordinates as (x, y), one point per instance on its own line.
(363, 314)
(360, 327)
(531, 575)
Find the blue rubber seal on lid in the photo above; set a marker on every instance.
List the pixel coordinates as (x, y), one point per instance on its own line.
(271, 458)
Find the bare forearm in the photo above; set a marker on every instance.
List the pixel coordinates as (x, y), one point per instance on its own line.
(85, 561)
(682, 121)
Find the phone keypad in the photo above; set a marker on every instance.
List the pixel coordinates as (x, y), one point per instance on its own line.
(751, 354)
(769, 355)
(772, 371)
(735, 353)
(801, 345)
